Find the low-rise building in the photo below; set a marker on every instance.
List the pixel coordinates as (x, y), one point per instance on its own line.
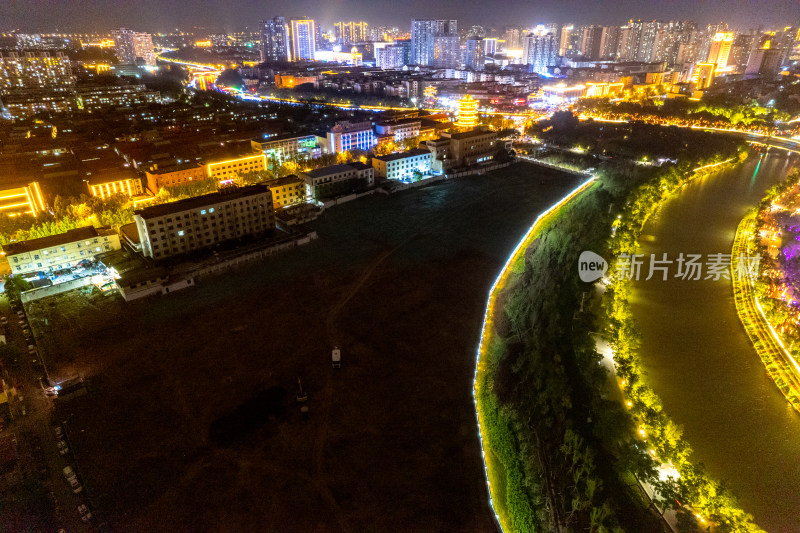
(331, 181)
(346, 136)
(173, 176)
(290, 190)
(463, 149)
(402, 165)
(229, 169)
(21, 199)
(57, 252)
(126, 185)
(283, 147)
(401, 129)
(176, 228)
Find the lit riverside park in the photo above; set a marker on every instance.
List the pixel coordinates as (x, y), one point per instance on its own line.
(291, 268)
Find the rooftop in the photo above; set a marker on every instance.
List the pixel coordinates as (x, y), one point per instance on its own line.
(472, 133)
(224, 195)
(403, 155)
(333, 169)
(286, 180)
(73, 235)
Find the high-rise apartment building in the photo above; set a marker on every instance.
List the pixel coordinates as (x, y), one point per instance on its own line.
(765, 62)
(475, 56)
(35, 70)
(274, 40)
(564, 38)
(720, 49)
(130, 46)
(435, 43)
(628, 43)
(350, 32)
(490, 47)
(647, 40)
(513, 37)
(389, 57)
(302, 39)
(539, 50)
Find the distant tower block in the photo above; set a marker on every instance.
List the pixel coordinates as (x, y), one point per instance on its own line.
(467, 112)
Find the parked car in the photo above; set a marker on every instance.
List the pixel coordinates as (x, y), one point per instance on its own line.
(72, 479)
(59, 432)
(62, 448)
(85, 513)
(3, 320)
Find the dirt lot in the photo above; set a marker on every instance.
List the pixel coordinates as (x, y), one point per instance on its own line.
(398, 282)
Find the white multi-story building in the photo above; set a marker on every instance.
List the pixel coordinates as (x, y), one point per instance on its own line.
(389, 57)
(35, 70)
(402, 166)
(179, 227)
(130, 46)
(346, 136)
(283, 147)
(302, 39)
(336, 179)
(57, 252)
(404, 128)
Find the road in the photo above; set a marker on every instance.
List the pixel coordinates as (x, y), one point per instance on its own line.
(43, 498)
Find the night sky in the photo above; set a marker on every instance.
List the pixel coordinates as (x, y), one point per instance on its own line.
(232, 15)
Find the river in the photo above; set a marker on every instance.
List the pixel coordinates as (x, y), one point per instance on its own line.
(698, 357)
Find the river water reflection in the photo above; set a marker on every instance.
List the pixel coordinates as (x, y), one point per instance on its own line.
(699, 359)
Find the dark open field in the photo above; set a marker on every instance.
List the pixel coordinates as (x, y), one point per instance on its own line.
(191, 423)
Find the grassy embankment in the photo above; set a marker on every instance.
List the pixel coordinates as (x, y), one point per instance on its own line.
(560, 454)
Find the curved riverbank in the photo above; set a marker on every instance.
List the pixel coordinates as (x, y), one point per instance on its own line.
(698, 358)
(780, 364)
(496, 456)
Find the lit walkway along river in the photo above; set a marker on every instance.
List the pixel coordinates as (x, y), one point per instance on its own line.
(698, 357)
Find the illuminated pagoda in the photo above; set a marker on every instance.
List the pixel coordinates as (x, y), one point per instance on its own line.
(467, 112)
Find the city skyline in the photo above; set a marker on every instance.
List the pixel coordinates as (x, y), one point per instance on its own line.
(102, 15)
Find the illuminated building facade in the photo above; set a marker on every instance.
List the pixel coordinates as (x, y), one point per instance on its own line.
(290, 81)
(130, 46)
(287, 191)
(350, 32)
(702, 75)
(402, 165)
(467, 112)
(302, 39)
(390, 57)
(114, 95)
(720, 49)
(539, 50)
(274, 40)
(475, 57)
(424, 36)
(58, 252)
(35, 70)
(22, 200)
(180, 227)
(404, 128)
(346, 136)
(225, 170)
(127, 187)
(289, 146)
